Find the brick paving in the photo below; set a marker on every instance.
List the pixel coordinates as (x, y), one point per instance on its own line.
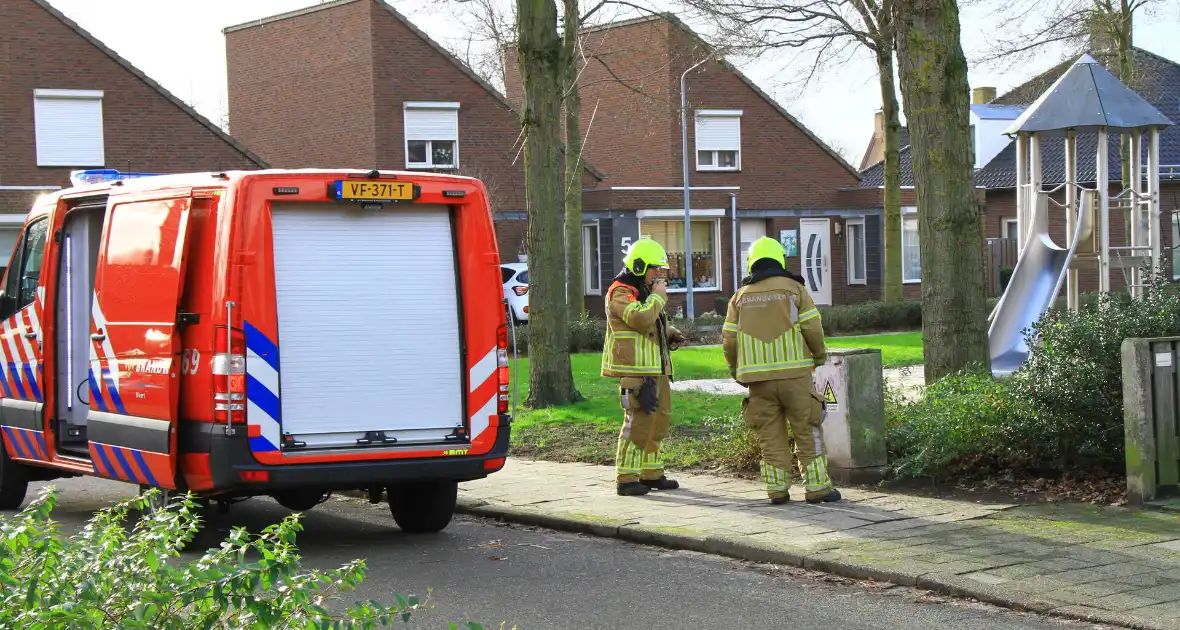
(1108, 565)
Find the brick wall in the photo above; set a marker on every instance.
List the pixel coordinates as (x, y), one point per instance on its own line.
(407, 68)
(301, 88)
(143, 130)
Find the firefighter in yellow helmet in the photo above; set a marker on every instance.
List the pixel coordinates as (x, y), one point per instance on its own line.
(636, 351)
(773, 340)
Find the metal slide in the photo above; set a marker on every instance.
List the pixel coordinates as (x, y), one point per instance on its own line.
(1039, 275)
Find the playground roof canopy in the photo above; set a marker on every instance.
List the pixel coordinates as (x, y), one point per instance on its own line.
(1085, 98)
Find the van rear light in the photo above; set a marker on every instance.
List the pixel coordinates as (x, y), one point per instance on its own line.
(520, 289)
(229, 382)
(495, 463)
(502, 368)
(260, 476)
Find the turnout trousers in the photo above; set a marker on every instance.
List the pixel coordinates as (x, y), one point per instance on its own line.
(638, 454)
(773, 408)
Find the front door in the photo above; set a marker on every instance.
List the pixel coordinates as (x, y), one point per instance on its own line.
(21, 345)
(813, 249)
(135, 351)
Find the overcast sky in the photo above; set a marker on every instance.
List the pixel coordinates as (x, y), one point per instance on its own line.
(180, 44)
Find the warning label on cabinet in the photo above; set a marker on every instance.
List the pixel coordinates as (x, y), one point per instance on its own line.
(830, 398)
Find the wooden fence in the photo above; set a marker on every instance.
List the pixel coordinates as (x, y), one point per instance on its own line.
(998, 254)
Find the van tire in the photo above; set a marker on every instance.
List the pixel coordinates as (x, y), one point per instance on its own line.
(423, 508)
(14, 481)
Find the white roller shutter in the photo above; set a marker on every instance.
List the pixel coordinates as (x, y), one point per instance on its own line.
(432, 123)
(718, 132)
(68, 127)
(368, 323)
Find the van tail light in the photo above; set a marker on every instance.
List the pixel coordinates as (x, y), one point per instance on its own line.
(520, 289)
(229, 377)
(502, 368)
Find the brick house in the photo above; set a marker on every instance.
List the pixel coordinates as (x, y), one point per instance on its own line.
(69, 102)
(747, 153)
(353, 83)
(995, 161)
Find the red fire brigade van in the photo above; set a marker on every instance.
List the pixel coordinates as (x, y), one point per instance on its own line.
(282, 332)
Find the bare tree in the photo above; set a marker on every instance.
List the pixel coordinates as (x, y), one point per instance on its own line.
(829, 32)
(490, 27)
(934, 84)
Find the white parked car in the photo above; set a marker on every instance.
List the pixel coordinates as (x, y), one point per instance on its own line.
(516, 290)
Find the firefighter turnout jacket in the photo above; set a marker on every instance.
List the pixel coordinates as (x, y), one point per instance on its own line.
(772, 331)
(636, 334)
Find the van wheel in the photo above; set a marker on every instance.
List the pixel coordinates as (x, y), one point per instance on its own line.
(14, 482)
(166, 498)
(423, 508)
(299, 500)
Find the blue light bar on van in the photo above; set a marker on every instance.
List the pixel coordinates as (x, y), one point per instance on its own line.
(97, 176)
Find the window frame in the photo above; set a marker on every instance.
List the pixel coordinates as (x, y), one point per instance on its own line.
(13, 282)
(588, 276)
(717, 265)
(49, 161)
(1175, 226)
(715, 153)
(1007, 221)
(429, 164)
(858, 222)
(910, 214)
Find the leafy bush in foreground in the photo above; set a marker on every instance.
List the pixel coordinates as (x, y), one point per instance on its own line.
(107, 577)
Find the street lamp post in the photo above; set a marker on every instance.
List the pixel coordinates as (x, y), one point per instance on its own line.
(684, 157)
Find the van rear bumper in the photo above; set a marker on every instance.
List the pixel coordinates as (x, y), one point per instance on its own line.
(230, 457)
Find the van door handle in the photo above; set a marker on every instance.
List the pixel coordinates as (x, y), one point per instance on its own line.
(30, 335)
(98, 337)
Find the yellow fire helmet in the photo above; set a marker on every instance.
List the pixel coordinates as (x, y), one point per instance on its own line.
(645, 253)
(766, 247)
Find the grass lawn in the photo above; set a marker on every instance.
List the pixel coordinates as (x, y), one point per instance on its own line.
(703, 425)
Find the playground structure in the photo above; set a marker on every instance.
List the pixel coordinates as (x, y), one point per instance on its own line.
(1086, 103)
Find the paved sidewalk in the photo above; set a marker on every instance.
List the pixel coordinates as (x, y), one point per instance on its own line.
(909, 382)
(1106, 565)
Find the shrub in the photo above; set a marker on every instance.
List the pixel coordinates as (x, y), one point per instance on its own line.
(1061, 411)
(872, 317)
(105, 577)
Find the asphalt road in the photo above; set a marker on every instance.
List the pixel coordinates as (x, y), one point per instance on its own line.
(479, 570)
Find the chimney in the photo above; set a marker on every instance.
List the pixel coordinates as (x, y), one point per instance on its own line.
(879, 124)
(982, 95)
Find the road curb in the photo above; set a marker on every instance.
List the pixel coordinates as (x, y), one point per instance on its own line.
(740, 549)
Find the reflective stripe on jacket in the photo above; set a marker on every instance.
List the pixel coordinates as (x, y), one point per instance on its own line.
(772, 330)
(633, 344)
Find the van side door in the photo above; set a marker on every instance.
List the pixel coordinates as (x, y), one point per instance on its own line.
(135, 348)
(20, 346)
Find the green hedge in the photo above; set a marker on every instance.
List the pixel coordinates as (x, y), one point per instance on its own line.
(1061, 412)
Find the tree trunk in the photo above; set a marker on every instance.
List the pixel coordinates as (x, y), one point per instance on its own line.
(575, 288)
(539, 56)
(892, 276)
(935, 90)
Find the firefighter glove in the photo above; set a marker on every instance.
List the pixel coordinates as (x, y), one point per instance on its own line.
(649, 395)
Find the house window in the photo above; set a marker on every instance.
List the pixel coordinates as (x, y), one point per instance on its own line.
(911, 253)
(1175, 246)
(591, 260)
(706, 264)
(855, 235)
(1011, 229)
(432, 135)
(719, 139)
(68, 127)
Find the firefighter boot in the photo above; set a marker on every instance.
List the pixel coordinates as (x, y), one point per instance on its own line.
(831, 497)
(632, 489)
(663, 483)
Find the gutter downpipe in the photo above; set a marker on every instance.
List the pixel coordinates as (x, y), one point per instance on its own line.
(734, 238)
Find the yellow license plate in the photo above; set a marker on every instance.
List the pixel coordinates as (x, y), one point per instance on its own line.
(376, 191)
